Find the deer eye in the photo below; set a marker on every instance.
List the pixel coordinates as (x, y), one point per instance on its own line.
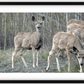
(78, 57)
(83, 57)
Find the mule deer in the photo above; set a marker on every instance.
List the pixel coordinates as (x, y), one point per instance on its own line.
(76, 27)
(70, 43)
(75, 21)
(28, 41)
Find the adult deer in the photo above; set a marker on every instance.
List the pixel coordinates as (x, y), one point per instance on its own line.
(70, 43)
(76, 27)
(29, 41)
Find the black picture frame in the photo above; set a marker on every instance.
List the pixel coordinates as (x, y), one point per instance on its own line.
(41, 81)
(41, 3)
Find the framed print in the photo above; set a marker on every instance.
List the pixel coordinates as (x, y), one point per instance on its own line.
(41, 42)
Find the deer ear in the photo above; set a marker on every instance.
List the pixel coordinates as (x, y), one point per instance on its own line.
(43, 18)
(33, 18)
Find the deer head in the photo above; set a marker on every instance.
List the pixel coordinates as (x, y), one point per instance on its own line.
(80, 57)
(38, 24)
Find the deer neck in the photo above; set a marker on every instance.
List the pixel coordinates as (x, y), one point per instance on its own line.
(39, 32)
(78, 45)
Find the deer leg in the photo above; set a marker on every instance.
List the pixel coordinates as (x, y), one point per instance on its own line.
(37, 57)
(57, 56)
(13, 56)
(68, 55)
(23, 51)
(81, 69)
(50, 53)
(33, 50)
